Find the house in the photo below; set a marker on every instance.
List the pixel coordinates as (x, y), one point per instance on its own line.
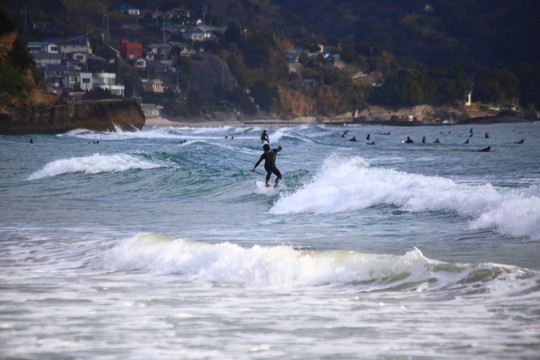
(141, 63)
(107, 81)
(46, 26)
(78, 44)
(158, 67)
(374, 78)
(127, 9)
(334, 60)
(86, 81)
(130, 50)
(43, 47)
(202, 33)
(159, 52)
(185, 49)
(153, 85)
(45, 59)
(175, 29)
(194, 35)
(179, 16)
(294, 53)
(60, 78)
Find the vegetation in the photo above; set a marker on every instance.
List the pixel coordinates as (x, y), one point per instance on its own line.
(13, 63)
(428, 52)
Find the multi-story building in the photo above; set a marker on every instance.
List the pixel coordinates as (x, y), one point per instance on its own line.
(130, 50)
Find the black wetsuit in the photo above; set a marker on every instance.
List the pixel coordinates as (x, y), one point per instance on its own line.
(269, 158)
(264, 137)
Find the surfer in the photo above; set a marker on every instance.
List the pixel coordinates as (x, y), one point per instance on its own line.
(345, 133)
(520, 141)
(264, 137)
(487, 149)
(408, 141)
(269, 157)
(353, 138)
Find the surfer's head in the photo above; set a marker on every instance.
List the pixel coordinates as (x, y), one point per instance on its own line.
(266, 147)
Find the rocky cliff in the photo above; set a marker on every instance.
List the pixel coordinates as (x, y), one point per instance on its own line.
(103, 115)
(27, 109)
(417, 115)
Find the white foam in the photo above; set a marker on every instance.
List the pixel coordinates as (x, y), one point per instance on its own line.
(351, 184)
(159, 132)
(285, 267)
(93, 164)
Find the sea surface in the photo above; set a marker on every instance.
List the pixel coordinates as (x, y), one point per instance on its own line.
(158, 244)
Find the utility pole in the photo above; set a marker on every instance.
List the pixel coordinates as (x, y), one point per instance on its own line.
(106, 23)
(163, 21)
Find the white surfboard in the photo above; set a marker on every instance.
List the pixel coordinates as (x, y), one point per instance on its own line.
(263, 189)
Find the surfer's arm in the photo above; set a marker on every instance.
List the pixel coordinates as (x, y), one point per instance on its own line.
(258, 162)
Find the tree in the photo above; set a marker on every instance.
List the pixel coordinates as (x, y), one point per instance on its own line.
(256, 51)
(265, 95)
(234, 33)
(496, 86)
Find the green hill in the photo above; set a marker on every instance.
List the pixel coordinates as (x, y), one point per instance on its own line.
(427, 52)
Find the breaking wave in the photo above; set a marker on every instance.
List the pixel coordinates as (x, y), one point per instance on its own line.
(93, 164)
(352, 185)
(285, 267)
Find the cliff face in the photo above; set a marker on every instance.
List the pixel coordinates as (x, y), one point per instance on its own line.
(103, 115)
(416, 115)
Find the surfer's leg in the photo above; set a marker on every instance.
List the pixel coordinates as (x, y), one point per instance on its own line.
(268, 174)
(278, 174)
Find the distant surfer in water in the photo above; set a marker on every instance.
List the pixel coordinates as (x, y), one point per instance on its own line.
(408, 141)
(269, 157)
(487, 149)
(264, 137)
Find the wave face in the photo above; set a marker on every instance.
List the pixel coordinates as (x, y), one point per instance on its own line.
(282, 267)
(350, 184)
(93, 164)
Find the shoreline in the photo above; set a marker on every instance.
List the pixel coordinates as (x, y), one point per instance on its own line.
(268, 123)
(161, 121)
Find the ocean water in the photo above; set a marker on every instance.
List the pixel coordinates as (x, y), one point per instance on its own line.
(158, 244)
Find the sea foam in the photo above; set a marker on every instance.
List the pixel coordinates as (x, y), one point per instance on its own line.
(351, 185)
(285, 267)
(93, 164)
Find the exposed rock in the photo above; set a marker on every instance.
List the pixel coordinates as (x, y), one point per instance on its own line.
(207, 72)
(103, 115)
(417, 115)
(504, 116)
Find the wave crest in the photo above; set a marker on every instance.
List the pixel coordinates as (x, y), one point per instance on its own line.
(93, 164)
(285, 267)
(351, 185)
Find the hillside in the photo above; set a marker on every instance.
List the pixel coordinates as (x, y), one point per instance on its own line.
(423, 52)
(18, 76)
